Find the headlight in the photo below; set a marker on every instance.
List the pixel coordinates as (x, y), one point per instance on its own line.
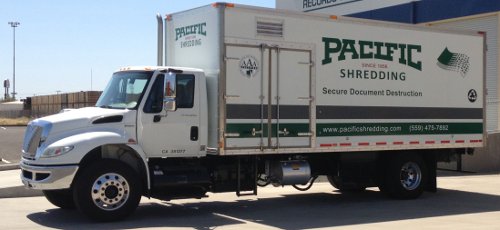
(57, 151)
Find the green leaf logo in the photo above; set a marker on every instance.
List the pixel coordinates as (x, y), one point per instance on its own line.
(454, 62)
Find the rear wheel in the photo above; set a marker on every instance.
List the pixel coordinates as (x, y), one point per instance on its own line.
(62, 198)
(338, 183)
(405, 177)
(107, 190)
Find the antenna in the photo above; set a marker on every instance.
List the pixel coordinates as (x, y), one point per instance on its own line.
(90, 79)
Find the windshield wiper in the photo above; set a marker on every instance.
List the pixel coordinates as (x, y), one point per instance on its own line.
(110, 107)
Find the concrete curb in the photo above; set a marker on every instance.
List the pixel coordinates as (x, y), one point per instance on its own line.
(19, 191)
(5, 167)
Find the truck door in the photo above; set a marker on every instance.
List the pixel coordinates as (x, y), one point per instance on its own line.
(268, 97)
(171, 133)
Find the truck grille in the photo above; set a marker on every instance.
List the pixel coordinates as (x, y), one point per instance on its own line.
(32, 140)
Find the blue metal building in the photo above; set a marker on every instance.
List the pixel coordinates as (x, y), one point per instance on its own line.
(430, 10)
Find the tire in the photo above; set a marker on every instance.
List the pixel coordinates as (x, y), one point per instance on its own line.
(337, 183)
(107, 190)
(405, 177)
(61, 198)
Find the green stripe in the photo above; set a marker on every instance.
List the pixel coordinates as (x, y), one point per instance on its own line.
(359, 129)
(379, 129)
(245, 130)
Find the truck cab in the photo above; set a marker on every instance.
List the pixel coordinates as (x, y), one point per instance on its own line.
(132, 111)
(144, 112)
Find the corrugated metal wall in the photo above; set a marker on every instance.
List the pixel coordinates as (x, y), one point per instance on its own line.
(489, 24)
(51, 104)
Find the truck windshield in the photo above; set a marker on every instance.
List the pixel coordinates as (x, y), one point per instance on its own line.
(125, 90)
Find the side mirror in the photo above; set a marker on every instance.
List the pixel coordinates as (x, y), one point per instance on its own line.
(169, 93)
(169, 104)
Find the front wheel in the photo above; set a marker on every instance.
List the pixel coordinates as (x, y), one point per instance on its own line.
(62, 198)
(107, 190)
(405, 177)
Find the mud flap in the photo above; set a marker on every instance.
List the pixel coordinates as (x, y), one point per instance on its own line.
(431, 163)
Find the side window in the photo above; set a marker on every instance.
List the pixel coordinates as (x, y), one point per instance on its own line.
(185, 91)
(154, 104)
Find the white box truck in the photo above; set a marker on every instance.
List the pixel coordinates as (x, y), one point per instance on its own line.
(270, 97)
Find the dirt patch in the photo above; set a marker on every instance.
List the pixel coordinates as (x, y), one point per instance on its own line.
(14, 121)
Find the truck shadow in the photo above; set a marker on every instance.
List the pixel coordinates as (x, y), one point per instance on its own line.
(297, 211)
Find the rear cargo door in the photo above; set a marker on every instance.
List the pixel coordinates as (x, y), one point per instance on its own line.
(268, 97)
(291, 98)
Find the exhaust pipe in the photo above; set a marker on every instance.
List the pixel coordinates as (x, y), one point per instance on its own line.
(160, 40)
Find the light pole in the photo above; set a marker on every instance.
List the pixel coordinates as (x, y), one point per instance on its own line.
(6, 85)
(14, 25)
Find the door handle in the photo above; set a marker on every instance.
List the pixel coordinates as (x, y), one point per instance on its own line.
(194, 133)
(157, 118)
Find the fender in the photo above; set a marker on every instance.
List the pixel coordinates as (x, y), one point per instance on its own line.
(143, 157)
(83, 143)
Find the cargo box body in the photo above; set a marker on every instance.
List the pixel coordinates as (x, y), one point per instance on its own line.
(285, 82)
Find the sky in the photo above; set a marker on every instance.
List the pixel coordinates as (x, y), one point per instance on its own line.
(70, 46)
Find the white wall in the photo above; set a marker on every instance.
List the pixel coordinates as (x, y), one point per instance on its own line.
(11, 106)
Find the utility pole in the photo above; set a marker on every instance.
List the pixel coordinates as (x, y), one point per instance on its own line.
(14, 25)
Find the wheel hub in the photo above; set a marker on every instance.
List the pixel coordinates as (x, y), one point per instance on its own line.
(110, 191)
(411, 176)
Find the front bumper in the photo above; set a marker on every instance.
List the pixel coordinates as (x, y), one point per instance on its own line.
(47, 177)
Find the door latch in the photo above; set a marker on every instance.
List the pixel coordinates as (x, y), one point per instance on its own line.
(255, 132)
(285, 132)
